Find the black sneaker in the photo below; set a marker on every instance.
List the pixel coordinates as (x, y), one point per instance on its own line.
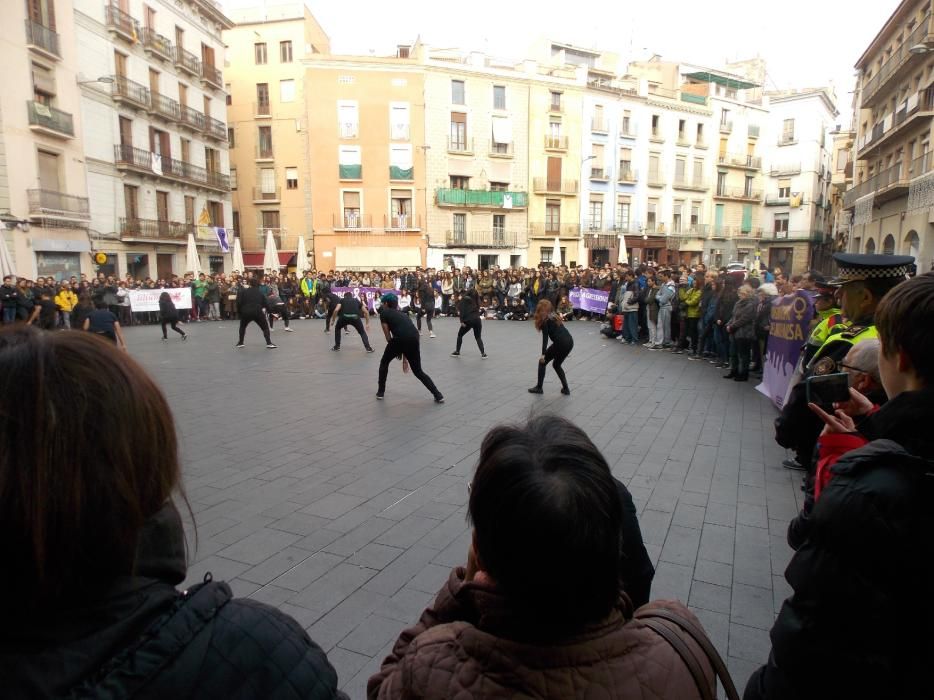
(370, 350)
(565, 391)
(271, 346)
(439, 399)
(185, 337)
(238, 345)
(456, 353)
(379, 397)
(536, 390)
(483, 355)
(336, 348)
(792, 464)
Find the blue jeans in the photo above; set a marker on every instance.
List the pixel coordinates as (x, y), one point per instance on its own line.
(9, 314)
(631, 326)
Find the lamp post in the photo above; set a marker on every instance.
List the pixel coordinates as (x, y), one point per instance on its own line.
(105, 79)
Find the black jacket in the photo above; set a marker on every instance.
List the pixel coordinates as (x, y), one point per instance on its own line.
(143, 639)
(251, 301)
(858, 622)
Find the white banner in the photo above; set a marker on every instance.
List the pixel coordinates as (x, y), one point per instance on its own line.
(148, 299)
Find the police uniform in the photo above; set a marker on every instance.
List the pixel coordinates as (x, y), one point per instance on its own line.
(828, 319)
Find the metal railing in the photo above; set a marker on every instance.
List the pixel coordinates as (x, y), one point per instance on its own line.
(726, 127)
(798, 235)
(262, 109)
(787, 140)
(402, 222)
(156, 43)
(215, 128)
(264, 151)
(543, 184)
(555, 106)
(138, 159)
(123, 88)
(501, 150)
(596, 238)
(897, 174)
(121, 22)
(695, 183)
(556, 143)
(187, 61)
(738, 193)
(785, 169)
(212, 76)
(49, 203)
(777, 201)
(163, 106)
(627, 130)
(42, 37)
(457, 145)
(895, 61)
(599, 174)
(496, 238)
(740, 160)
(190, 117)
(923, 101)
(626, 175)
(260, 195)
(752, 131)
(154, 228)
(554, 229)
(351, 222)
(480, 198)
(49, 118)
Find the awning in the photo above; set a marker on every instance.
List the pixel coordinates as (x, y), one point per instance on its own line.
(255, 260)
(376, 258)
(726, 81)
(462, 168)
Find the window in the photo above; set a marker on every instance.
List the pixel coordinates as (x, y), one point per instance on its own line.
(499, 186)
(285, 52)
(43, 84)
(724, 117)
(259, 53)
(458, 139)
(552, 216)
(401, 208)
(400, 162)
(131, 201)
(149, 17)
(622, 215)
(651, 215)
(499, 224)
(626, 126)
(126, 131)
(656, 128)
(186, 150)
(655, 172)
(595, 215)
(784, 188)
(499, 97)
(700, 135)
(351, 206)
(206, 106)
(349, 167)
(42, 12)
(682, 125)
(231, 139)
(349, 119)
(229, 96)
(625, 164)
(677, 212)
(554, 129)
(119, 64)
(843, 158)
(190, 208)
(262, 99)
(780, 226)
(216, 212)
(287, 91)
(598, 123)
(721, 183)
(555, 101)
(747, 186)
(236, 221)
(698, 172)
(502, 134)
(788, 131)
(233, 178)
(457, 92)
(271, 220)
(399, 121)
(267, 181)
(162, 206)
(460, 228)
(264, 142)
(548, 258)
(695, 216)
(596, 164)
(681, 169)
(291, 178)
(459, 182)
(212, 160)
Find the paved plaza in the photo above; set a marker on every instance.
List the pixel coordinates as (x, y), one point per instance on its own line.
(348, 513)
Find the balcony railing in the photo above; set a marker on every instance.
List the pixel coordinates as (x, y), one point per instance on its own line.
(280, 236)
(215, 129)
(190, 117)
(481, 198)
(656, 178)
(260, 195)
(556, 143)
(49, 120)
(211, 76)
(752, 131)
(121, 23)
(401, 222)
(164, 107)
(697, 183)
(787, 140)
(738, 193)
(351, 222)
(802, 235)
(626, 174)
(777, 201)
(125, 90)
(551, 229)
(901, 55)
(599, 174)
(726, 127)
(890, 178)
(128, 157)
(627, 130)
(921, 101)
(155, 43)
(545, 185)
(460, 145)
(596, 238)
(265, 151)
(262, 109)
(154, 228)
(42, 39)
(187, 61)
(736, 232)
(694, 99)
(501, 150)
(739, 160)
(48, 204)
(785, 169)
(496, 238)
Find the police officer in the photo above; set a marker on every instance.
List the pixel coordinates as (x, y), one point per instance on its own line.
(348, 311)
(863, 281)
(827, 316)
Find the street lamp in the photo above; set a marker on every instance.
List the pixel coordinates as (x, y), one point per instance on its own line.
(919, 49)
(105, 79)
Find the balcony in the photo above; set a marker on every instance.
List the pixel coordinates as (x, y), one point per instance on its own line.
(42, 40)
(627, 130)
(351, 222)
(656, 136)
(739, 160)
(696, 184)
(736, 233)
(656, 178)
(125, 91)
(653, 228)
(280, 236)
(890, 183)
(190, 118)
(211, 76)
(543, 185)
(873, 86)
(501, 150)
(600, 174)
(215, 129)
(752, 131)
(146, 163)
(461, 146)
(265, 151)
(481, 199)
(121, 24)
(595, 238)
(551, 229)
(157, 45)
(918, 106)
(260, 196)
(402, 223)
(726, 127)
(598, 125)
(497, 238)
(349, 172)
(262, 109)
(186, 61)
(693, 99)
(47, 120)
(626, 175)
(58, 207)
(556, 143)
(787, 140)
(803, 235)
(777, 200)
(785, 169)
(739, 194)
(162, 106)
(131, 229)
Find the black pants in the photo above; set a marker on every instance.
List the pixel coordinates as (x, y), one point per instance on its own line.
(427, 312)
(556, 354)
(690, 336)
(281, 310)
(356, 323)
(260, 320)
(477, 326)
(739, 356)
(410, 349)
(174, 325)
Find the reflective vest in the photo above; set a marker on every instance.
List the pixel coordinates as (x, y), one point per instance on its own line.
(822, 363)
(822, 330)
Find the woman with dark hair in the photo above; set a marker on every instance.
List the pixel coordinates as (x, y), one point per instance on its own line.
(469, 310)
(541, 608)
(93, 545)
(401, 341)
(252, 305)
(552, 326)
(168, 316)
(103, 322)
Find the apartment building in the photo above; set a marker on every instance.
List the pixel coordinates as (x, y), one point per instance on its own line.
(268, 127)
(155, 133)
(368, 183)
(476, 160)
(893, 189)
(841, 179)
(44, 208)
(797, 226)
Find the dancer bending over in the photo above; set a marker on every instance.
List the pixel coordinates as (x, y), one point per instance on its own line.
(551, 326)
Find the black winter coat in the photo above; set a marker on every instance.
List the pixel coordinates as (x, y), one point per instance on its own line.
(143, 639)
(858, 623)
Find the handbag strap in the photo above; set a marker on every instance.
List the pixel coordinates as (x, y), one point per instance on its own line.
(686, 654)
(700, 638)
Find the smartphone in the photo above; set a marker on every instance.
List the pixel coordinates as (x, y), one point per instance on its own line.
(828, 389)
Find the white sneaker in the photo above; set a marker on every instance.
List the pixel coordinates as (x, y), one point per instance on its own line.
(432, 335)
(289, 330)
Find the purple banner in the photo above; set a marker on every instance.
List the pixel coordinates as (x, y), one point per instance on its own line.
(372, 293)
(789, 327)
(586, 299)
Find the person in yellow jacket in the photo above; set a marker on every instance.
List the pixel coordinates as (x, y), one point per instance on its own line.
(66, 300)
(690, 299)
(827, 316)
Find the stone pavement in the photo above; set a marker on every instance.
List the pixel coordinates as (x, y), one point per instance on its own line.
(348, 513)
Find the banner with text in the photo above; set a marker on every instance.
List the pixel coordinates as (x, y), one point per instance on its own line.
(586, 299)
(789, 327)
(148, 299)
(372, 293)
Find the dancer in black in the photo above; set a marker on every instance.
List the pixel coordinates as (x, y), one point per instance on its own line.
(401, 341)
(426, 305)
(252, 307)
(169, 316)
(469, 309)
(348, 311)
(551, 326)
(331, 300)
(277, 308)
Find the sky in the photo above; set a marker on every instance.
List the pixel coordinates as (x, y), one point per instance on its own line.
(805, 43)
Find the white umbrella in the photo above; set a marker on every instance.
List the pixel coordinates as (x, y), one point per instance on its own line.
(301, 257)
(270, 255)
(6, 260)
(623, 256)
(556, 252)
(236, 257)
(192, 261)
